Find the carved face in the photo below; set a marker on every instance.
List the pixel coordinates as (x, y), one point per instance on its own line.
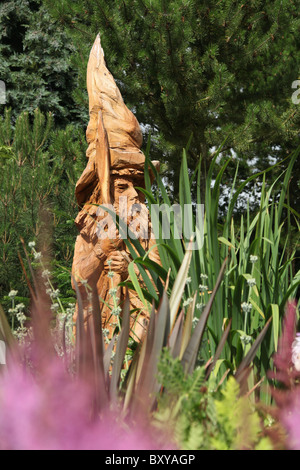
(129, 202)
(125, 188)
(127, 198)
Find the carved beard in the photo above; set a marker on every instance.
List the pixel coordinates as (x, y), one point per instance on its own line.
(138, 220)
(136, 217)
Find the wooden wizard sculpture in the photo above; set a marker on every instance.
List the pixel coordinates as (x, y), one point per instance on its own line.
(115, 167)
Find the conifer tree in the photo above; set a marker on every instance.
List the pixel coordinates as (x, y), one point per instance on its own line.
(39, 165)
(211, 69)
(35, 62)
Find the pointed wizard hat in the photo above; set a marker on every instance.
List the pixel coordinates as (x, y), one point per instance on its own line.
(113, 133)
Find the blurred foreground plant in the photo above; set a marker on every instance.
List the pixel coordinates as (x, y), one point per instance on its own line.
(286, 379)
(69, 398)
(58, 408)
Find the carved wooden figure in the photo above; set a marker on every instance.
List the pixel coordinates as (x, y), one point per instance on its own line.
(115, 167)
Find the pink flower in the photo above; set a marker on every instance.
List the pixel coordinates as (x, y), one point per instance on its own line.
(285, 371)
(44, 406)
(287, 397)
(52, 411)
(290, 418)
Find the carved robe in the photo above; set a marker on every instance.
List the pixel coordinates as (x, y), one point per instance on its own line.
(114, 139)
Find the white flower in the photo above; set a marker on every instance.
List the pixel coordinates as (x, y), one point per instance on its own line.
(296, 352)
(116, 311)
(55, 307)
(46, 273)
(20, 334)
(21, 317)
(13, 311)
(113, 291)
(13, 294)
(188, 280)
(202, 288)
(204, 276)
(37, 255)
(253, 258)
(31, 244)
(200, 306)
(187, 302)
(20, 307)
(70, 310)
(246, 339)
(54, 294)
(105, 332)
(246, 307)
(251, 282)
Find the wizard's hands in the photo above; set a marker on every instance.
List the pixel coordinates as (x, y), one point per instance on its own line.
(117, 262)
(108, 245)
(112, 253)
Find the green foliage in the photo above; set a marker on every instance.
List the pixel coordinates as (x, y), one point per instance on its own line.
(239, 423)
(187, 404)
(5, 154)
(211, 69)
(187, 68)
(186, 407)
(137, 393)
(204, 416)
(35, 62)
(37, 202)
(260, 274)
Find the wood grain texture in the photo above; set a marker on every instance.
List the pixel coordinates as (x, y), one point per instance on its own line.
(114, 168)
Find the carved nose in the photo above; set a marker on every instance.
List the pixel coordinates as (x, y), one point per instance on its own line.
(134, 195)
